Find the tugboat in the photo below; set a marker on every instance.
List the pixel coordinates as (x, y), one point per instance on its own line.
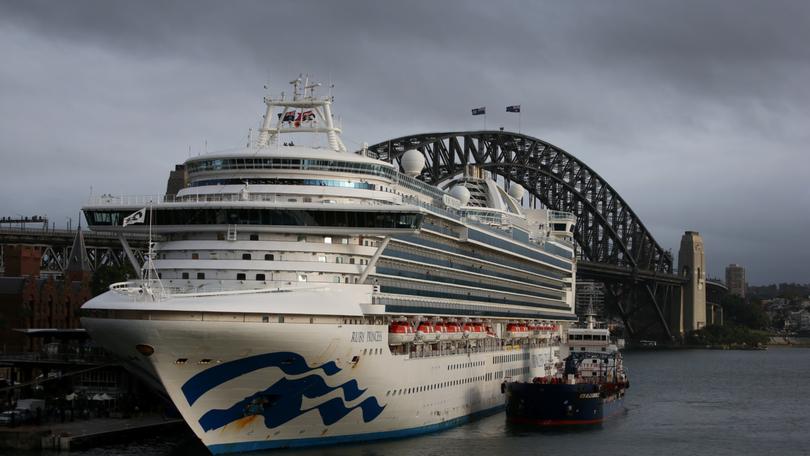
(587, 389)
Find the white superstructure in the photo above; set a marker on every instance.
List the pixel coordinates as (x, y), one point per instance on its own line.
(310, 295)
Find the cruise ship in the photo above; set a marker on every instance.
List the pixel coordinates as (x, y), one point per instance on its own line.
(308, 295)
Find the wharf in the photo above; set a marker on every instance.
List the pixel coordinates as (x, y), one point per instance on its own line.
(81, 434)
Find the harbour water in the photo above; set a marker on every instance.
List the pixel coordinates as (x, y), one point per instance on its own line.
(685, 402)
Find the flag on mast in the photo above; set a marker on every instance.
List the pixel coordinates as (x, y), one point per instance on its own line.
(513, 108)
(135, 217)
(479, 111)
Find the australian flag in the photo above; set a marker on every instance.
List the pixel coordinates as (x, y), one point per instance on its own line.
(514, 108)
(479, 111)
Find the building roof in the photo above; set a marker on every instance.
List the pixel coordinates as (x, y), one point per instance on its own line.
(78, 261)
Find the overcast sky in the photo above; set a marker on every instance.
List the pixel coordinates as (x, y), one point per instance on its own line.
(696, 112)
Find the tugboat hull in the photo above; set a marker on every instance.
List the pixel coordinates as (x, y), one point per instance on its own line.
(561, 404)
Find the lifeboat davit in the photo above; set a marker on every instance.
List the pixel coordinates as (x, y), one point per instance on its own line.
(454, 331)
(400, 332)
(441, 331)
(425, 332)
(490, 332)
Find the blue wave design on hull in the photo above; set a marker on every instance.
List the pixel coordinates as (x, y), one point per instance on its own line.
(290, 363)
(282, 401)
(285, 399)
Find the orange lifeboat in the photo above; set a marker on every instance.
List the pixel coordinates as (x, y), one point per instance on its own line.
(513, 331)
(474, 330)
(400, 332)
(441, 331)
(425, 332)
(524, 331)
(454, 331)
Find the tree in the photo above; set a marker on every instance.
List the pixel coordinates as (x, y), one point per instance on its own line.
(737, 310)
(109, 274)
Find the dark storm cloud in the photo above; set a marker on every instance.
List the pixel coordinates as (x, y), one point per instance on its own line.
(696, 112)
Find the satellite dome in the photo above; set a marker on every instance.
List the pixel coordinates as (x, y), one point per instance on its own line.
(516, 191)
(412, 162)
(460, 193)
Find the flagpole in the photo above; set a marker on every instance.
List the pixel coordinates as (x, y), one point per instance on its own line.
(519, 114)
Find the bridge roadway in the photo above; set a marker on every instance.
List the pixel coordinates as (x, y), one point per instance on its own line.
(611, 272)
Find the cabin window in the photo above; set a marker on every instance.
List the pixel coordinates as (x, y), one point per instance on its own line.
(322, 259)
(240, 276)
(302, 277)
(327, 240)
(302, 238)
(351, 260)
(185, 275)
(254, 237)
(259, 276)
(268, 257)
(246, 256)
(195, 256)
(339, 260)
(200, 275)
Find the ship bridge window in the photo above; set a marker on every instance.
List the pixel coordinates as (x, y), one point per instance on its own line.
(254, 237)
(200, 275)
(259, 276)
(246, 256)
(273, 217)
(240, 276)
(185, 275)
(268, 257)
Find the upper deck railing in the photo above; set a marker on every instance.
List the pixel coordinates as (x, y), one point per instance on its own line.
(145, 200)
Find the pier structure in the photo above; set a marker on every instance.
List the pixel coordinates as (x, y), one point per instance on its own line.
(613, 244)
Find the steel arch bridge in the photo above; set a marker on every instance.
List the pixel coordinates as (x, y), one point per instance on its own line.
(614, 245)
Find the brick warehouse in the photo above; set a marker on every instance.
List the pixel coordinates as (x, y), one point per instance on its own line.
(31, 300)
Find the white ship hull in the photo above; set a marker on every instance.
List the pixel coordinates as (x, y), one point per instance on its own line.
(323, 383)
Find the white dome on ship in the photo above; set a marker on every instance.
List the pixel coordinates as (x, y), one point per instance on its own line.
(460, 193)
(412, 162)
(516, 191)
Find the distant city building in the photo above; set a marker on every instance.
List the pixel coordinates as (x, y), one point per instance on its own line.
(735, 280)
(590, 294)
